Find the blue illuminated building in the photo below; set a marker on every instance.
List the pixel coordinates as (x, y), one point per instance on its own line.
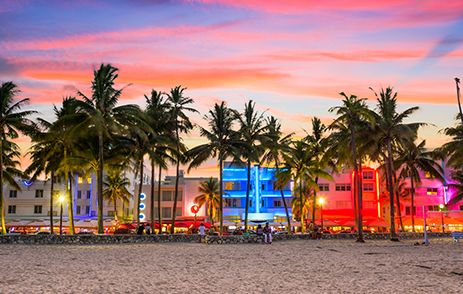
(265, 203)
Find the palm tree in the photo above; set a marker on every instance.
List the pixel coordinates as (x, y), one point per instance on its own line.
(252, 130)
(457, 176)
(352, 117)
(104, 119)
(275, 146)
(179, 110)
(390, 129)
(320, 145)
(457, 82)
(301, 167)
(452, 149)
(12, 121)
(414, 158)
(116, 188)
(223, 143)
(209, 190)
(303, 202)
(160, 142)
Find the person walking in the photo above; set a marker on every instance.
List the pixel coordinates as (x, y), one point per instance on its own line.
(202, 230)
(267, 234)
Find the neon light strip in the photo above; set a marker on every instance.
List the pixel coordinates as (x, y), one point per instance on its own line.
(377, 193)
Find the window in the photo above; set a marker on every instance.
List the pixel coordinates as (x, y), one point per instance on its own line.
(276, 203)
(111, 213)
(343, 204)
(79, 194)
(80, 180)
(368, 175)
(13, 194)
(11, 209)
(231, 202)
(262, 203)
(37, 209)
(368, 187)
(432, 191)
(89, 180)
(427, 175)
(178, 212)
(167, 212)
(250, 202)
(180, 196)
(263, 187)
(89, 194)
(433, 208)
(167, 195)
(38, 193)
(78, 209)
(87, 210)
(408, 210)
(342, 187)
(228, 185)
(461, 207)
(324, 187)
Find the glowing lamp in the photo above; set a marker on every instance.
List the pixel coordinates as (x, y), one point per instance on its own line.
(321, 201)
(61, 199)
(441, 206)
(195, 209)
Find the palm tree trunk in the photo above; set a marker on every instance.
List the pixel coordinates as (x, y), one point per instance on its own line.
(174, 209)
(70, 203)
(282, 193)
(391, 190)
(397, 199)
(100, 183)
(221, 193)
(314, 207)
(52, 186)
(140, 190)
(152, 195)
(358, 188)
(412, 183)
(301, 207)
(211, 212)
(115, 209)
(457, 82)
(2, 201)
(159, 200)
(248, 190)
(360, 203)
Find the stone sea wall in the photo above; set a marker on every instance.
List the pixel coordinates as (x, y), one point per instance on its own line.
(119, 239)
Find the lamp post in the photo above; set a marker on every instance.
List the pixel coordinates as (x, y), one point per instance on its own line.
(321, 201)
(441, 207)
(61, 201)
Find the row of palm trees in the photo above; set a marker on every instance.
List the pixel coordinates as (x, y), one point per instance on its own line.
(92, 134)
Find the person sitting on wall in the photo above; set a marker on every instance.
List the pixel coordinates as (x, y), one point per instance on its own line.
(267, 234)
(141, 229)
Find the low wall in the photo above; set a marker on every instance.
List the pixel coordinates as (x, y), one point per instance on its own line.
(118, 239)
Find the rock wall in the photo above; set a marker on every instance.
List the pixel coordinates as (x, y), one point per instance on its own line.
(118, 239)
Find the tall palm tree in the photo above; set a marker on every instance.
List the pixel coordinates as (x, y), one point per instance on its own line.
(161, 143)
(351, 118)
(457, 82)
(300, 206)
(414, 158)
(223, 142)
(209, 196)
(390, 129)
(301, 167)
(320, 145)
(275, 145)
(252, 130)
(104, 119)
(12, 121)
(179, 112)
(116, 188)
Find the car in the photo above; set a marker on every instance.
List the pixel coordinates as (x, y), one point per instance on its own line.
(42, 233)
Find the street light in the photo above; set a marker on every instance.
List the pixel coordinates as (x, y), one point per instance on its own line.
(441, 207)
(321, 201)
(61, 201)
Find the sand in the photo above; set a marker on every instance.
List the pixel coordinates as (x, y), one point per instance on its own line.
(311, 266)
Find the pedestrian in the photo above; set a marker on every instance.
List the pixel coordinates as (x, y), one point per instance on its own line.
(267, 234)
(141, 229)
(202, 230)
(259, 230)
(148, 229)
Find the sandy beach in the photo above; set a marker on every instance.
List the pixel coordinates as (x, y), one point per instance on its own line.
(325, 266)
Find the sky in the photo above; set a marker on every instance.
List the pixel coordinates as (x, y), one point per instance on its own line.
(291, 57)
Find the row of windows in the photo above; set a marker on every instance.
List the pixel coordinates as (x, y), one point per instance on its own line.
(88, 194)
(79, 209)
(237, 203)
(37, 209)
(169, 196)
(39, 194)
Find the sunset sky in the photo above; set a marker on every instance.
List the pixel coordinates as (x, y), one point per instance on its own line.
(292, 57)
